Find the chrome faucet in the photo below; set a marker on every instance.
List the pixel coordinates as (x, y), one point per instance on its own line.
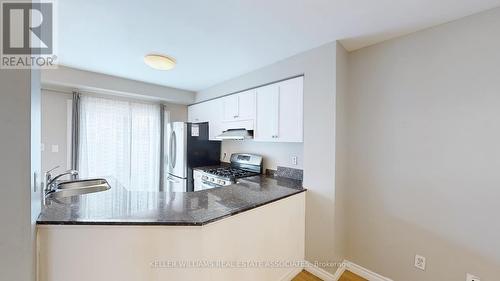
(49, 184)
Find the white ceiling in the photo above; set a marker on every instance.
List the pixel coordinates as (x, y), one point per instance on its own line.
(216, 40)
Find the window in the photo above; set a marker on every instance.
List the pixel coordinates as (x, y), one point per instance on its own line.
(121, 139)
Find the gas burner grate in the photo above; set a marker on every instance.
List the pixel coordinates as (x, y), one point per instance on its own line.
(228, 172)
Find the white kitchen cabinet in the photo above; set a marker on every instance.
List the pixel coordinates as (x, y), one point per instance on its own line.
(291, 116)
(215, 120)
(266, 127)
(275, 112)
(193, 113)
(198, 113)
(211, 112)
(246, 105)
(239, 107)
(230, 106)
(279, 111)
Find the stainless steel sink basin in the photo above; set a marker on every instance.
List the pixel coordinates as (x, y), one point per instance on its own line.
(81, 183)
(78, 187)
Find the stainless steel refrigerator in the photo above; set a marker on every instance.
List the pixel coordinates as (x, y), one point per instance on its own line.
(187, 147)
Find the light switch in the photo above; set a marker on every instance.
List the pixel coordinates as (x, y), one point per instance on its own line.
(55, 148)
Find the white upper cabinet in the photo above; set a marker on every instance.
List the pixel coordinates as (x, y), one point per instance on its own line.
(291, 110)
(215, 121)
(239, 107)
(275, 112)
(280, 112)
(198, 113)
(211, 112)
(230, 106)
(266, 127)
(246, 105)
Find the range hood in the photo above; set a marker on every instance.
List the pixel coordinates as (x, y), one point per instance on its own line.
(235, 134)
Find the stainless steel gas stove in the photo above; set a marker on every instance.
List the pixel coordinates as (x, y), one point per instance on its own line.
(242, 165)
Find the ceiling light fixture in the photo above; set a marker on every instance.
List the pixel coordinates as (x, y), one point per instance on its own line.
(160, 62)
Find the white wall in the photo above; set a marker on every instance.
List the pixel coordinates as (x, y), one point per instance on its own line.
(19, 162)
(275, 154)
(55, 129)
(424, 154)
(71, 78)
(318, 66)
(55, 126)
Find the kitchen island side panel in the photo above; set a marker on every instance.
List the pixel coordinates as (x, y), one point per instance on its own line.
(271, 233)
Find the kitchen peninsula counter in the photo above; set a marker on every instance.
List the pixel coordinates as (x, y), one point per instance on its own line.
(119, 206)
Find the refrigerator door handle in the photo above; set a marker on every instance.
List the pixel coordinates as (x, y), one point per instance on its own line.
(173, 149)
(171, 179)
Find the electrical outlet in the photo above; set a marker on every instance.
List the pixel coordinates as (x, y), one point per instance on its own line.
(470, 277)
(294, 160)
(420, 262)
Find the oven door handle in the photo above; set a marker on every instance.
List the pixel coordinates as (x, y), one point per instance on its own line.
(208, 185)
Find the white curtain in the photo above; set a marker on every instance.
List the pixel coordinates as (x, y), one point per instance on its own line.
(121, 139)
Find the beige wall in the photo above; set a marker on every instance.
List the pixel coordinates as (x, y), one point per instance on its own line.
(424, 154)
(178, 112)
(341, 160)
(318, 66)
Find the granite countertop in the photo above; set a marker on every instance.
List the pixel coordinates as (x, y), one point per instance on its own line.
(119, 206)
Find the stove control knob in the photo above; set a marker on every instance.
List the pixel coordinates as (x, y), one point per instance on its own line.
(204, 178)
(212, 179)
(222, 182)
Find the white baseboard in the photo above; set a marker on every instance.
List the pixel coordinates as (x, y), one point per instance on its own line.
(346, 265)
(364, 272)
(321, 273)
(290, 275)
(339, 272)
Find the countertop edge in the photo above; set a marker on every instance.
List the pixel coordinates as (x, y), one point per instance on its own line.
(139, 223)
